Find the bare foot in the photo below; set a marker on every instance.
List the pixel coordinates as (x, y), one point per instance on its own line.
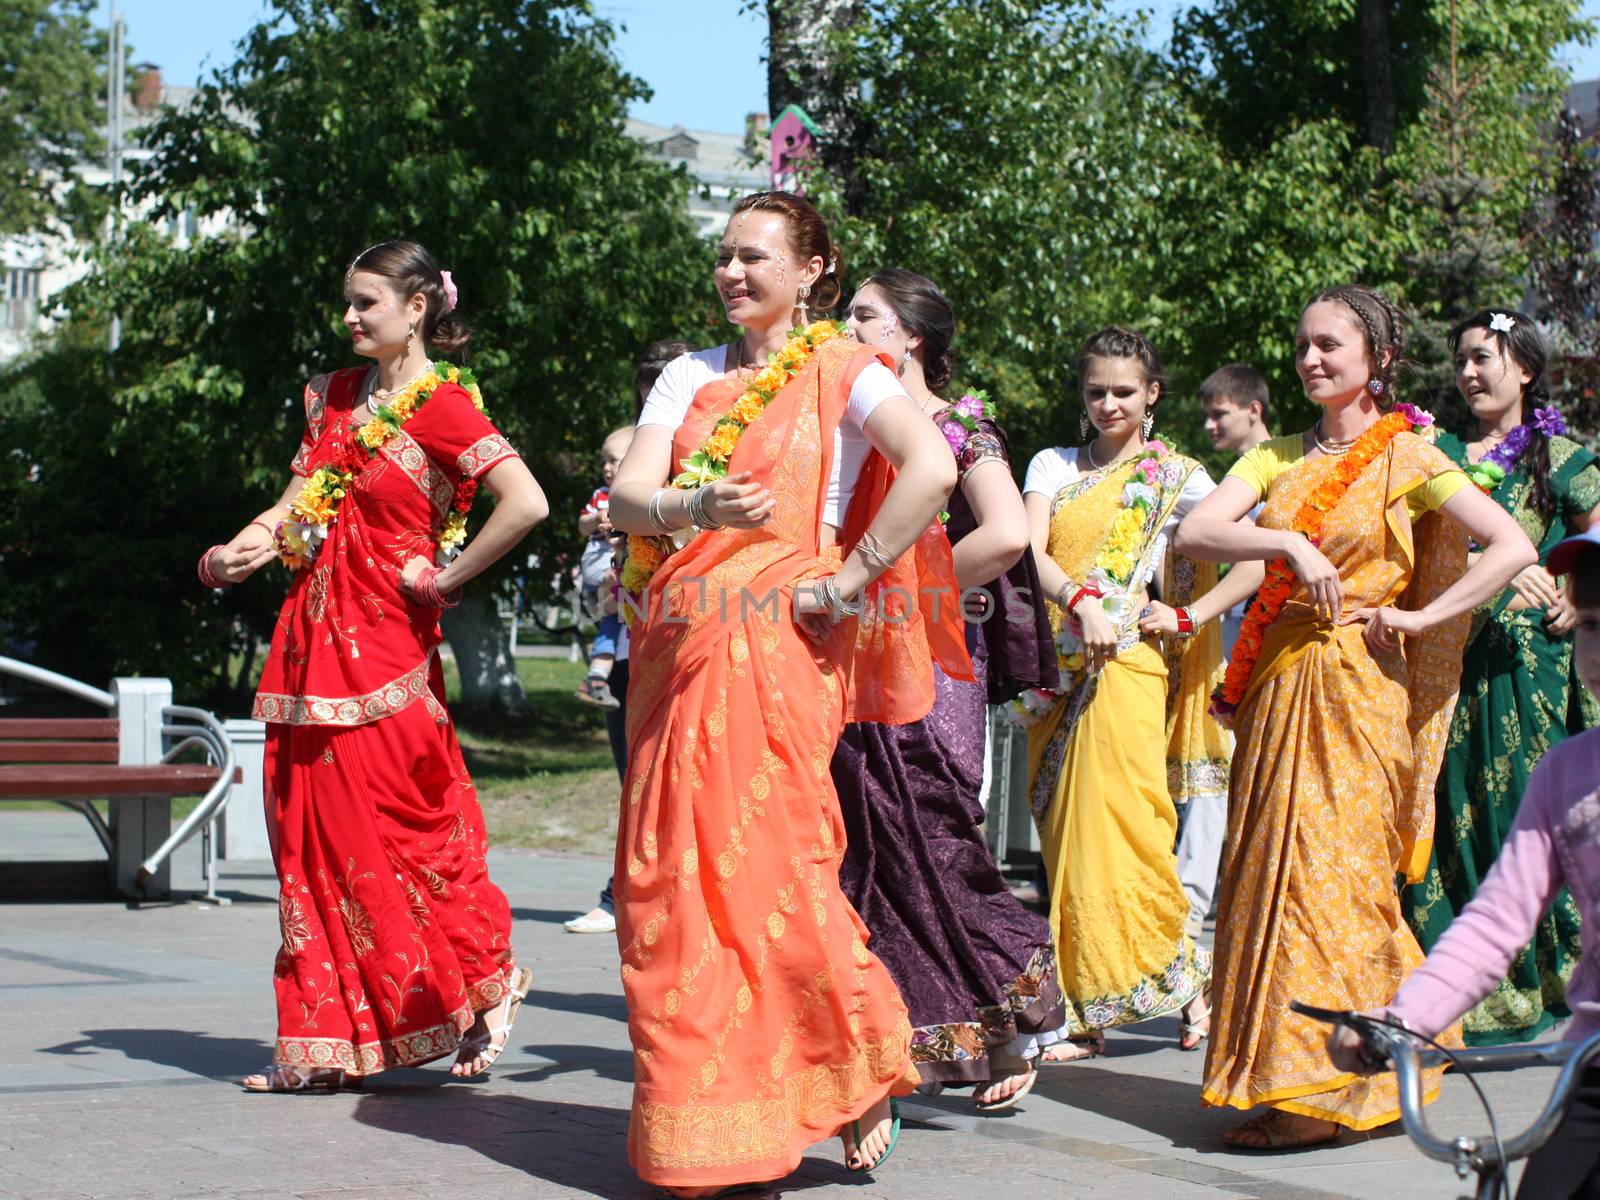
(282, 1078)
(1194, 1022)
(490, 1030)
(876, 1127)
(1079, 1046)
(1276, 1130)
(1006, 1091)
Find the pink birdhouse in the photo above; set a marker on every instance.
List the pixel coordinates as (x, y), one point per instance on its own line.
(794, 139)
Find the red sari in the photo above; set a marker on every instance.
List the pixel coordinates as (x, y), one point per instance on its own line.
(760, 1022)
(393, 935)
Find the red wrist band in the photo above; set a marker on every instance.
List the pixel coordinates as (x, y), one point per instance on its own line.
(1185, 622)
(262, 525)
(427, 589)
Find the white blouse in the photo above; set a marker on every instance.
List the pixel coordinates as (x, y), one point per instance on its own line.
(1052, 469)
(674, 390)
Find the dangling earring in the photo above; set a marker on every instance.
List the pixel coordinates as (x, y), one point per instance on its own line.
(1375, 386)
(905, 361)
(1083, 427)
(1149, 424)
(411, 333)
(805, 292)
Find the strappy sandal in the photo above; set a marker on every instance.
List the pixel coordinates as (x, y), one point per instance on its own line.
(1200, 1027)
(1274, 1131)
(1005, 1102)
(484, 1045)
(1088, 1045)
(280, 1077)
(894, 1138)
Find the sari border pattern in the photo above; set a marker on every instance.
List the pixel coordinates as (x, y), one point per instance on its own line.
(349, 711)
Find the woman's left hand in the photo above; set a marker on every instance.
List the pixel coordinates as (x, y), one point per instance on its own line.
(1384, 625)
(415, 566)
(815, 619)
(1157, 617)
(1561, 618)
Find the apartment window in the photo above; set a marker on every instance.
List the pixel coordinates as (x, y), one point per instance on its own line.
(21, 297)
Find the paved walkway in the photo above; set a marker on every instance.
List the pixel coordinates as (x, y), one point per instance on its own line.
(122, 1029)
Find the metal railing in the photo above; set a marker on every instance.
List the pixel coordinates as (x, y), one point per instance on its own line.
(205, 731)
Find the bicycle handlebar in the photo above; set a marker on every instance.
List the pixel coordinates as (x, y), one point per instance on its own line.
(1388, 1044)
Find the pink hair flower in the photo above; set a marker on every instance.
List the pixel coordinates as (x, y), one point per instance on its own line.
(450, 293)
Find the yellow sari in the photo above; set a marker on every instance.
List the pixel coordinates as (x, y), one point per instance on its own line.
(1337, 750)
(1106, 764)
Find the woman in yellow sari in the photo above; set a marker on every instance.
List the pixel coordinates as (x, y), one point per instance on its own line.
(1340, 691)
(1127, 738)
(760, 1021)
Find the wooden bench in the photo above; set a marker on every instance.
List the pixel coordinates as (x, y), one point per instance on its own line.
(74, 762)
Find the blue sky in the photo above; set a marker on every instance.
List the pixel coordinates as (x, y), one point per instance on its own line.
(702, 57)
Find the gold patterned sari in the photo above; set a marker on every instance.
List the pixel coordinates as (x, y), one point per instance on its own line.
(1108, 762)
(1337, 749)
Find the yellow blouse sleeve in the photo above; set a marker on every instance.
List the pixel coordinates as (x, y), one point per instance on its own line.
(1432, 496)
(1260, 465)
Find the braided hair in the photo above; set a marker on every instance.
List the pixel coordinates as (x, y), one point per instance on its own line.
(1383, 328)
(1523, 346)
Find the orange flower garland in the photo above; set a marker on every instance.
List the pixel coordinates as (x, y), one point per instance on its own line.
(1308, 520)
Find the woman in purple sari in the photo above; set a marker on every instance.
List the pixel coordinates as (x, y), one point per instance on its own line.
(977, 970)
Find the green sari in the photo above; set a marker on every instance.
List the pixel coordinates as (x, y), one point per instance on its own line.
(1519, 697)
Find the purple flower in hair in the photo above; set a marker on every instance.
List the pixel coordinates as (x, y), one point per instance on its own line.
(1549, 421)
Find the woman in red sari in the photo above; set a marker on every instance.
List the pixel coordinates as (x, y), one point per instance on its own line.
(396, 945)
(760, 1022)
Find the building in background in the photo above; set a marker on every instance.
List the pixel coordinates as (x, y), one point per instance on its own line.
(723, 166)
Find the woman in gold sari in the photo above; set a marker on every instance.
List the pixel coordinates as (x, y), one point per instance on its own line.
(760, 1021)
(1340, 692)
(1127, 738)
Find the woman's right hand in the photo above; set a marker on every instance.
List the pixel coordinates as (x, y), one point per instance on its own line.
(1344, 1048)
(1537, 586)
(737, 503)
(1099, 635)
(242, 558)
(1323, 585)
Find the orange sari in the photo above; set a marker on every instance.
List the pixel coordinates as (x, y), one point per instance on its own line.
(1338, 746)
(759, 1020)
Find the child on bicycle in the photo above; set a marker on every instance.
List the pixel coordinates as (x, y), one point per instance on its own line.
(1553, 843)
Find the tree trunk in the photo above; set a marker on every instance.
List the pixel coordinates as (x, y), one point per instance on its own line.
(1377, 73)
(482, 652)
(800, 72)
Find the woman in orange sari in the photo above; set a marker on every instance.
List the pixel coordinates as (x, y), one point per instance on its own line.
(1340, 692)
(760, 1021)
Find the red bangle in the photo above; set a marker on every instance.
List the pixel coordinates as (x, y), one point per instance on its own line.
(262, 525)
(427, 589)
(208, 577)
(1088, 589)
(1185, 621)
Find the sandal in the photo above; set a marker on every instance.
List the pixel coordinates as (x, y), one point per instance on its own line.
(1275, 1130)
(282, 1078)
(1086, 1045)
(894, 1138)
(491, 1043)
(1198, 1028)
(1031, 1074)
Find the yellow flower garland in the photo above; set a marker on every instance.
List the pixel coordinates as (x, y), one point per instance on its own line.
(710, 462)
(317, 503)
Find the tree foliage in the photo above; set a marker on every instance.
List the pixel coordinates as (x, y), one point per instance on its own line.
(489, 130)
(51, 103)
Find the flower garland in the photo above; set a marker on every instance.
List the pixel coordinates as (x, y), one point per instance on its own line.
(1308, 520)
(1490, 471)
(709, 463)
(316, 505)
(960, 420)
(1115, 562)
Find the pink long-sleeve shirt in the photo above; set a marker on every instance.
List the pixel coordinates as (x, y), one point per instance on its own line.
(1555, 840)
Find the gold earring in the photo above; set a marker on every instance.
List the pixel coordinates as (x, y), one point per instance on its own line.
(805, 293)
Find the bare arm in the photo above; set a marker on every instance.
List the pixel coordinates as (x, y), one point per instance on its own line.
(252, 547)
(1506, 550)
(1001, 534)
(519, 506)
(1242, 582)
(646, 469)
(1052, 578)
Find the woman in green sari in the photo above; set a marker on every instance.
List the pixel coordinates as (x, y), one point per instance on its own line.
(1519, 695)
